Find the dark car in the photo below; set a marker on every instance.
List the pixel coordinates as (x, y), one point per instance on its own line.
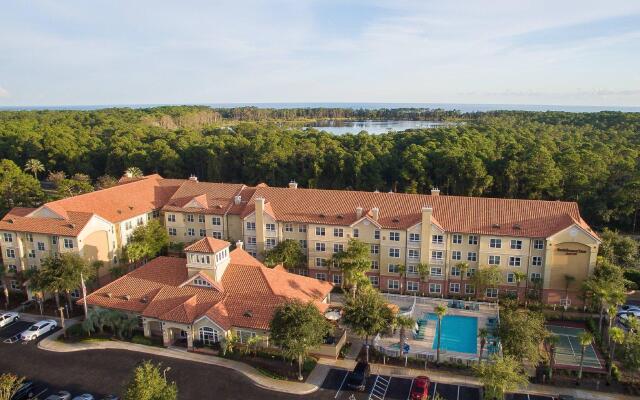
(420, 388)
(25, 391)
(357, 379)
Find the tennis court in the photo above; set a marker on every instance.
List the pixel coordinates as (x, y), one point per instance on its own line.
(568, 349)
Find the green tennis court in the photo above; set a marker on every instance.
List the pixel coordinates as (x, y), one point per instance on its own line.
(568, 349)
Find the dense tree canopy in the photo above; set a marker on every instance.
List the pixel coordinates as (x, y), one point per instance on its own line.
(592, 158)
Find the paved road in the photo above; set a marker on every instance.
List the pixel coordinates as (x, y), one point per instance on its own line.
(102, 372)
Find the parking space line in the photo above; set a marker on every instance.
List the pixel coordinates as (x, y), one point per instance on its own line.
(342, 384)
(458, 396)
(380, 387)
(410, 387)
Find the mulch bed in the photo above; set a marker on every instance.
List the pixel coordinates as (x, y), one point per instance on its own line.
(377, 358)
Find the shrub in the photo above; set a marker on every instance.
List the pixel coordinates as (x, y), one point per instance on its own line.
(139, 339)
(75, 330)
(309, 364)
(633, 275)
(615, 372)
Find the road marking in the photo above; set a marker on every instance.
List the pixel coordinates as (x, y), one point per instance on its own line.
(435, 386)
(35, 396)
(458, 396)
(340, 388)
(410, 387)
(380, 387)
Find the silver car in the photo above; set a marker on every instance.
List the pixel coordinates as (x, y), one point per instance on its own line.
(38, 329)
(8, 318)
(61, 395)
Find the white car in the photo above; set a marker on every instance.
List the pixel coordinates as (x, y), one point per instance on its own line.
(38, 329)
(628, 307)
(8, 318)
(85, 396)
(61, 395)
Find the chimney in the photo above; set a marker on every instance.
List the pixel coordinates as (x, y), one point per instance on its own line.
(193, 178)
(237, 199)
(293, 184)
(259, 203)
(358, 212)
(435, 191)
(239, 244)
(375, 212)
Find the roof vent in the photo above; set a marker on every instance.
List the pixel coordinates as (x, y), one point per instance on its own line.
(435, 191)
(10, 221)
(130, 207)
(108, 294)
(71, 226)
(193, 178)
(340, 216)
(237, 200)
(126, 297)
(119, 211)
(495, 226)
(517, 226)
(248, 314)
(218, 206)
(145, 299)
(293, 184)
(322, 215)
(396, 220)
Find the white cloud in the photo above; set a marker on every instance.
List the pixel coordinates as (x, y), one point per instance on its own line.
(4, 92)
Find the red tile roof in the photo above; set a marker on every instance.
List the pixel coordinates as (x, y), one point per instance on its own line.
(247, 297)
(208, 245)
(217, 198)
(71, 226)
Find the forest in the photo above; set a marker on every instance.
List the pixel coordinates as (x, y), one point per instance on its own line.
(591, 158)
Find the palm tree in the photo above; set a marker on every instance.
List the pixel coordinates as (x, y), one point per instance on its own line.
(5, 289)
(616, 336)
(423, 271)
(463, 267)
(34, 166)
(402, 270)
(567, 282)
(404, 323)
(552, 343)
(483, 334)
(134, 172)
(519, 276)
(585, 339)
(440, 311)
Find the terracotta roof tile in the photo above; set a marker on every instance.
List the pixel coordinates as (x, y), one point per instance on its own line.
(72, 226)
(208, 245)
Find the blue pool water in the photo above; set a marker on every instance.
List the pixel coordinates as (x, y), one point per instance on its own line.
(458, 333)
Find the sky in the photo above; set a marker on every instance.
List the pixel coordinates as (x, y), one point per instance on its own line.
(565, 52)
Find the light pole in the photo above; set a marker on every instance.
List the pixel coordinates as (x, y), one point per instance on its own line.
(64, 332)
(164, 373)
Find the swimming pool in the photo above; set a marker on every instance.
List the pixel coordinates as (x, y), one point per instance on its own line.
(459, 333)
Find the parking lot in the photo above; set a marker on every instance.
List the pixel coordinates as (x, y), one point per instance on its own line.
(9, 333)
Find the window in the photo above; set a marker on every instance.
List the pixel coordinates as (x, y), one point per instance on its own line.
(321, 262)
(511, 277)
(456, 238)
(414, 237)
(54, 240)
(394, 252)
(337, 279)
(320, 231)
(12, 268)
(270, 242)
(376, 234)
(337, 247)
(252, 240)
(189, 217)
(456, 255)
(516, 244)
(375, 249)
(216, 234)
(536, 276)
(270, 227)
(338, 232)
(375, 281)
(127, 225)
(171, 217)
(412, 269)
(393, 268)
(413, 286)
(217, 221)
(68, 243)
(356, 232)
(302, 228)
(472, 256)
(495, 243)
(454, 287)
(200, 282)
(536, 261)
(11, 253)
(321, 246)
(436, 271)
(251, 226)
(321, 276)
(191, 232)
(471, 272)
(288, 227)
(473, 239)
(31, 254)
(492, 293)
(437, 239)
(538, 244)
(303, 243)
(395, 236)
(469, 289)
(208, 336)
(201, 218)
(435, 288)
(375, 264)
(29, 237)
(203, 232)
(494, 260)
(40, 246)
(140, 221)
(172, 232)
(455, 271)
(155, 213)
(14, 285)
(414, 254)
(393, 284)
(253, 253)
(437, 255)
(8, 237)
(514, 261)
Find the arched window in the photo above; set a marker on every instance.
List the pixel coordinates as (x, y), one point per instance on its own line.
(208, 335)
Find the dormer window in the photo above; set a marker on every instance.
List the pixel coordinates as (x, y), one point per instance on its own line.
(200, 259)
(222, 255)
(201, 282)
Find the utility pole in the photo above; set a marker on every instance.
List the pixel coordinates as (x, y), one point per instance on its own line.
(84, 296)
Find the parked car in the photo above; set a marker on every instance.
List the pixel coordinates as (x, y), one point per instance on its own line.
(26, 391)
(85, 396)
(626, 314)
(420, 388)
(628, 307)
(8, 318)
(110, 397)
(61, 395)
(38, 329)
(566, 397)
(358, 377)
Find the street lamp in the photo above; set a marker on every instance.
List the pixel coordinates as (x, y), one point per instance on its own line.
(64, 332)
(164, 373)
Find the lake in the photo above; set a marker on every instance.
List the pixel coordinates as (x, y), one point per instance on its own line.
(373, 126)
